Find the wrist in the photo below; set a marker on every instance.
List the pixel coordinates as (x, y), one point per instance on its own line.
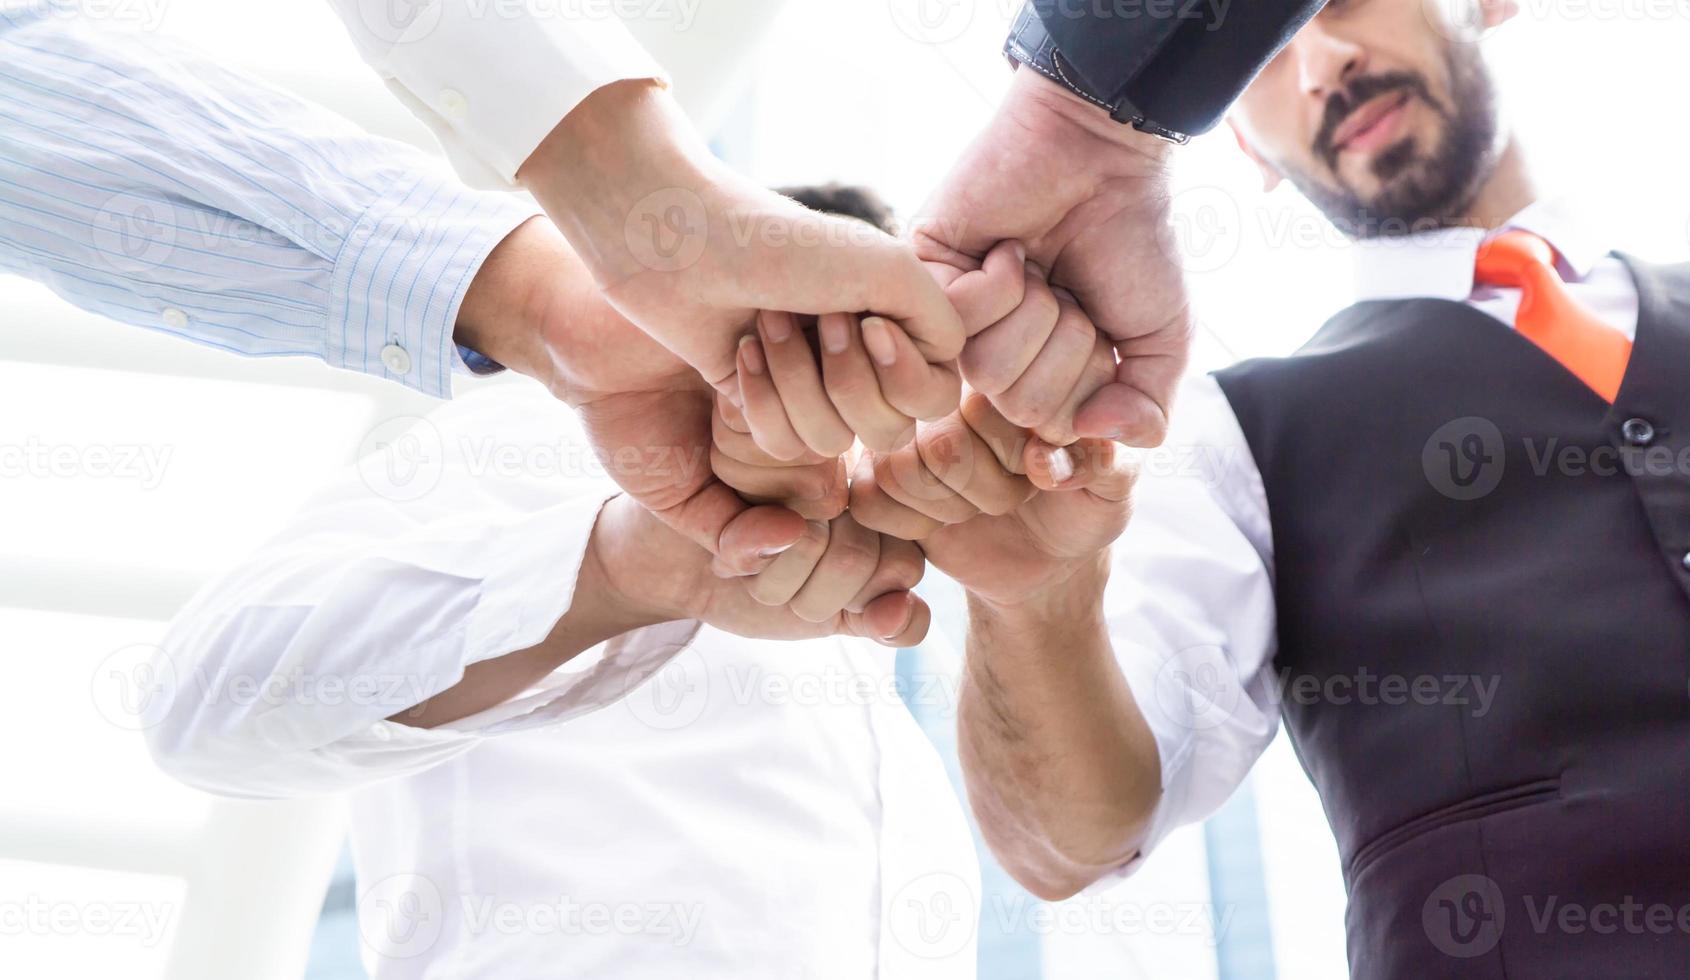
(618, 567)
(1066, 599)
(623, 144)
(1052, 111)
(503, 309)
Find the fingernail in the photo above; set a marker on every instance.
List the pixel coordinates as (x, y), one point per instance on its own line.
(752, 351)
(777, 328)
(903, 624)
(1020, 252)
(1061, 466)
(877, 337)
(835, 334)
(771, 552)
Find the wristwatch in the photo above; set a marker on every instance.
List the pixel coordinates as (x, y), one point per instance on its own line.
(1031, 45)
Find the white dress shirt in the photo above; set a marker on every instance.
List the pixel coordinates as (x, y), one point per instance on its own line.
(1190, 601)
(755, 809)
(493, 77)
(146, 183)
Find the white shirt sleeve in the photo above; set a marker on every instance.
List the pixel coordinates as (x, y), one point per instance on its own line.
(1190, 606)
(493, 77)
(457, 540)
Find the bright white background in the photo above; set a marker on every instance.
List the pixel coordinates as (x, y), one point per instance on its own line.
(855, 90)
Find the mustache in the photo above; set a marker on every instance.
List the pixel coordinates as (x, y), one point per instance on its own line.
(1340, 104)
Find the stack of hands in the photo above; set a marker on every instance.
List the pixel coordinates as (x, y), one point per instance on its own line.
(865, 403)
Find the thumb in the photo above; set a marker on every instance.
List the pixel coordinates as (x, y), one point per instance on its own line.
(754, 538)
(895, 619)
(986, 295)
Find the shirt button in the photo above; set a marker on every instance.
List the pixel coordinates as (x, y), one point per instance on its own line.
(453, 103)
(175, 319)
(1685, 561)
(395, 359)
(1638, 432)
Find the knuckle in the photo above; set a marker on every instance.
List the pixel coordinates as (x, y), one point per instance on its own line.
(988, 372)
(1025, 408)
(888, 437)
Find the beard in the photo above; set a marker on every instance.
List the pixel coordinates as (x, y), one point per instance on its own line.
(1419, 188)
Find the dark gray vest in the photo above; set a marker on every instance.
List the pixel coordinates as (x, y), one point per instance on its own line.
(1453, 511)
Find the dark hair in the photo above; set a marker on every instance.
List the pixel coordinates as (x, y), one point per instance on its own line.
(845, 200)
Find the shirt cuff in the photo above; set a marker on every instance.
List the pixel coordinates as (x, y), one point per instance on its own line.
(496, 83)
(401, 276)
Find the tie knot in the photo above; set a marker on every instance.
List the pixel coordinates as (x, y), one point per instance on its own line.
(1509, 259)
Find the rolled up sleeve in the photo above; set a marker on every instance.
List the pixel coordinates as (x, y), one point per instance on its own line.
(493, 78)
(1190, 607)
(458, 540)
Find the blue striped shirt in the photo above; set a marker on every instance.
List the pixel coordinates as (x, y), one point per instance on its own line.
(141, 181)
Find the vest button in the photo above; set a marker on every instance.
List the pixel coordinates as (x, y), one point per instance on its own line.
(1638, 432)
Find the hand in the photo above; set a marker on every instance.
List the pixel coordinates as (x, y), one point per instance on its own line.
(838, 578)
(1088, 199)
(870, 382)
(690, 251)
(534, 308)
(1010, 517)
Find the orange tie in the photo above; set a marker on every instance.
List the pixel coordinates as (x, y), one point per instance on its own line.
(1549, 316)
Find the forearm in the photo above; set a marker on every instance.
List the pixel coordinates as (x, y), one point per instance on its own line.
(1061, 768)
(625, 150)
(597, 612)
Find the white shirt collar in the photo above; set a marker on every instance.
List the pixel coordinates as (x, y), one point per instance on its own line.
(1439, 264)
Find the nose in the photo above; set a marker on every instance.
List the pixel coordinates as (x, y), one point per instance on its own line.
(1326, 61)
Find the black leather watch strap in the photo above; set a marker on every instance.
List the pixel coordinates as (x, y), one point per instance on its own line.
(1031, 45)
